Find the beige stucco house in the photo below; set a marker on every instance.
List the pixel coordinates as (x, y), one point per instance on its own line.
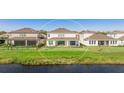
(25, 37)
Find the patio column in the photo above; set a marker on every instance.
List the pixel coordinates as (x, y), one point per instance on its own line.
(54, 43)
(67, 43)
(12, 42)
(26, 43)
(78, 43)
(104, 43)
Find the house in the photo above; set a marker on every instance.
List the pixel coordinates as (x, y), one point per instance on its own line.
(99, 39)
(118, 35)
(121, 41)
(3, 38)
(25, 37)
(85, 34)
(62, 37)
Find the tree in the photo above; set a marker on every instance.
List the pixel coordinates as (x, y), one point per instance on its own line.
(2, 32)
(43, 32)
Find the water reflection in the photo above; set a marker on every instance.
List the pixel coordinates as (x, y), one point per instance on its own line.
(16, 68)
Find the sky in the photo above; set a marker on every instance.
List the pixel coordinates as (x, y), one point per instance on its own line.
(72, 24)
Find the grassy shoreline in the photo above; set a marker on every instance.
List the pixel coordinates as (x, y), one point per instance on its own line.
(52, 56)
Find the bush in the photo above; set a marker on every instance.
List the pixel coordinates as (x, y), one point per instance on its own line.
(41, 45)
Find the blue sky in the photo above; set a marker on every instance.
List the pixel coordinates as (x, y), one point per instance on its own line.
(72, 24)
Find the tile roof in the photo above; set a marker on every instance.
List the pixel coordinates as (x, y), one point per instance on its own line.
(87, 31)
(99, 36)
(62, 30)
(25, 30)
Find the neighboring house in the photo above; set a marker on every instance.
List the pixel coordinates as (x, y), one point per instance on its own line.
(85, 34)
(62, 37)
(118, 35)
(99, 39)
(121, 41)
(25, 37)
(3, 38)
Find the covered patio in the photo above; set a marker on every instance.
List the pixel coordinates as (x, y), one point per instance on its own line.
(63, 42)
(26, 41)
(103, 43)
(100, 39)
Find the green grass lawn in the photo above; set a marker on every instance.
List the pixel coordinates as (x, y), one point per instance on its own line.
(62, 55)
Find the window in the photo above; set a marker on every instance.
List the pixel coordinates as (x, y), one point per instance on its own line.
(48, 35)
(61, 42)
(72, 42)
(90, 42)
(111, 42)
(77, 36)
(114, 35)
(60, 35)
(94, 42)
(22, 35)
(50, 42)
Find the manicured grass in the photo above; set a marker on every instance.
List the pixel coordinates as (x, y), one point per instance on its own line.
(62, 55)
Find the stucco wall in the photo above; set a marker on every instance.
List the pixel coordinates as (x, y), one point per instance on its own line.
(57, 35)
(19, 35)
(83, 36)
(115, 35)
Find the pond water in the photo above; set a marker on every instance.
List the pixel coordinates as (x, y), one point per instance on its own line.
(17, 68)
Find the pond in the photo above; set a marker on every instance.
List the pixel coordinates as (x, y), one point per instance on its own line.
(17, 68)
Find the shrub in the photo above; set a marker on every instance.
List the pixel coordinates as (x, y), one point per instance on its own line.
(41, 45)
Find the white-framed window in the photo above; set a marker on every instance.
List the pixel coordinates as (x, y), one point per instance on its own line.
(114, 35)
(60, 35)
(115, 42)
(90, 42)
(111, 42)
(50, 42)
(48, 35)
(94, 42)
